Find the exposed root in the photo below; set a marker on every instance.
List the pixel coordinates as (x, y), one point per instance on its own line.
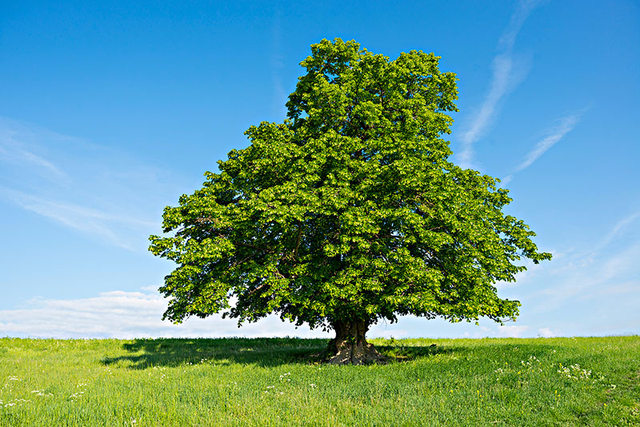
(353, 354)
(350, 346)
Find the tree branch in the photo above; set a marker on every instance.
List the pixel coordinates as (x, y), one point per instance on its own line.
(298, 239)
(247, 245)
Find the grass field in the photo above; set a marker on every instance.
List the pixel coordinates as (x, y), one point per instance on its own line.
(262, 382)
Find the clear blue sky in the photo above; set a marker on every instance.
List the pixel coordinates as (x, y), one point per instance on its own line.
(109, 112)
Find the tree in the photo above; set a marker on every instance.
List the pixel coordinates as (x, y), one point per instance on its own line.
(349, 212)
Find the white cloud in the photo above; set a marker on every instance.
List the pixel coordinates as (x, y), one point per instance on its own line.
(566, 125)
(22, 157)
(508, 38)
(119, 230)
(500, 84)
(595, 278)
(13, 150)
(617, 229)
(126, 315)
(98, 191)
(508, 72)
(630, 288)
(513, 331)
(604, 273)
(546, 333)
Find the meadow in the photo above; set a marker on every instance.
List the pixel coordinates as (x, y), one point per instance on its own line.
(278, 382)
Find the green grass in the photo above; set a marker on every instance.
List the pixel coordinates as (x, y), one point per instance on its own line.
(262, 382)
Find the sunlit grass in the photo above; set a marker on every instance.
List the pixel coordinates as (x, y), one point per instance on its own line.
(189, 382)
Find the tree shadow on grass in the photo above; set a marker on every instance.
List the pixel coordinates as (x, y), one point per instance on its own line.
(397, 352)
(147, 353)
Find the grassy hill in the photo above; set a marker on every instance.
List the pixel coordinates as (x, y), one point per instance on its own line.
(262, 382)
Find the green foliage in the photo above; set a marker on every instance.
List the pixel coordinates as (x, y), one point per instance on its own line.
(349, 210)
(268, 382)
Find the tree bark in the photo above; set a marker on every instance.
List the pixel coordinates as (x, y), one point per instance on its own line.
(350, 346)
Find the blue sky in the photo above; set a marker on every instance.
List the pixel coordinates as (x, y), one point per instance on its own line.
(109, 112)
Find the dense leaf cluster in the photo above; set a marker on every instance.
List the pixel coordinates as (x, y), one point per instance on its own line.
(349, 210)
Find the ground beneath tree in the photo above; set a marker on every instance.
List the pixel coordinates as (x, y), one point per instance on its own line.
(350, 346)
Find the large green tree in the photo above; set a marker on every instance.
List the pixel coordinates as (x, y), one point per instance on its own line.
(349, 212)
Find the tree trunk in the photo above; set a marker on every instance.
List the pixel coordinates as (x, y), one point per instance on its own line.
(350, 347)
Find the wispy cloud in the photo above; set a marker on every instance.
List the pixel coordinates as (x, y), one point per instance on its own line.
(98, 191)
(600, 281)
(615, 232)
(504, 80)
(114, 229)
(21, 157)
(508, 38)
(597, 277)
(602, 278)
(508, 72)
(566, 125)
(13, 151)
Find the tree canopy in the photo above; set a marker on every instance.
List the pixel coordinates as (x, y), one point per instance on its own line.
(348, 212)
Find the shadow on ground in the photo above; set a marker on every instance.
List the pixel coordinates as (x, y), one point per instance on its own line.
(147, 353)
